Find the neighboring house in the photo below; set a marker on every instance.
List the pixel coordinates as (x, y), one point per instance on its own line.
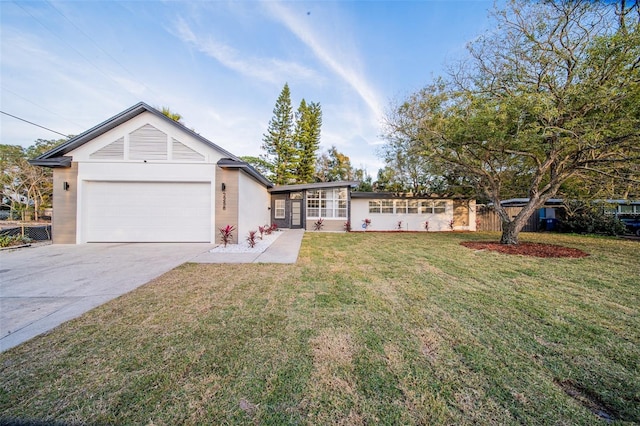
(546, 217)
(142, 177)
(389, 212)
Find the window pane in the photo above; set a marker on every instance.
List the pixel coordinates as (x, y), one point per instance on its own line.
(296, 195)
(426, 207)
(401, 206)
(313, 207)
(413, 206)
(279, 213)
(439, 207)
(341, 213)
(387, 206)
(326, 213)
(374, 206)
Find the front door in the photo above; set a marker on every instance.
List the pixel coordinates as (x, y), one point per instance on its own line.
(296, 214)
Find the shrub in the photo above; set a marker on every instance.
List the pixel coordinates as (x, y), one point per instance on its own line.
(317, 226)
(347, 226)
(426, 226)
(13, 240)
(367, 223)
(267, 230)
(274, 227)
(451, 224)
(261, 229)
(399, 225)
(584, 218)
(226, 234)
(251, 239)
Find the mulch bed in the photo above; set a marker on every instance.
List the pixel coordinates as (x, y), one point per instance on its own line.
(527, 249)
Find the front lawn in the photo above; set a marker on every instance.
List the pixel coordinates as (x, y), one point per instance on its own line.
(365, 329)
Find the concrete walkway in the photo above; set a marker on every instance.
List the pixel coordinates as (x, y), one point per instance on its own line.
(283, 250)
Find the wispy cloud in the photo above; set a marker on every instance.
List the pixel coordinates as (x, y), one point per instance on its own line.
(340, 65)
(266, 69)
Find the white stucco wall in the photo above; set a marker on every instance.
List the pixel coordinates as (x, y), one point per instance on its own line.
(389, 221)
(253, 206)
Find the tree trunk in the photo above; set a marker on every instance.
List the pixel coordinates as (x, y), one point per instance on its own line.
(510, 232)
(511, 228)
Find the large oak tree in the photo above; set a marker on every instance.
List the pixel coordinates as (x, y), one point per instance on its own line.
(549, 97)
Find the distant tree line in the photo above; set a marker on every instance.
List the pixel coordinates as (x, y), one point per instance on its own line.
(25, 190)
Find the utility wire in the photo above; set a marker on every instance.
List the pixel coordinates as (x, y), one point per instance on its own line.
(95, 43)
(40, 106)
(69, 45)
(34, 124)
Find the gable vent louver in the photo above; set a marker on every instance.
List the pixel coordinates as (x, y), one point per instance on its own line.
(113, 151)
(147, 143)
(183, 152)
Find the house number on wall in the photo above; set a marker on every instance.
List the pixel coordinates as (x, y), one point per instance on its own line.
(224, 200)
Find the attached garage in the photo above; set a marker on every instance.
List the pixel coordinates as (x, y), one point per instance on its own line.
(142, 177)
(147, 211)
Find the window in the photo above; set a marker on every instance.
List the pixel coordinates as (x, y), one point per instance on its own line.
(327, 203)
(407, 206)
(401, 206)
(387, 206)
(426, 207)
(432, 207)
(279, 209)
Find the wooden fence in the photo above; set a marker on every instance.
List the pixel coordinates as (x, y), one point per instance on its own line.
(488, 220)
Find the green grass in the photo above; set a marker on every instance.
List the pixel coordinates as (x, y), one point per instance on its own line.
(365, 329)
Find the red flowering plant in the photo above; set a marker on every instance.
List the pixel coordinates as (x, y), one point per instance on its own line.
(251, 239)
(226, 234)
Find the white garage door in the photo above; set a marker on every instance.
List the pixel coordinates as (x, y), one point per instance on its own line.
(147, 212)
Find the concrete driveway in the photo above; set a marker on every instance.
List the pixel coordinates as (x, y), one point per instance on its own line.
(40, 288)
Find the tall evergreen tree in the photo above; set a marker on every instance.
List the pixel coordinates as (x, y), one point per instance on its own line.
(278, 141)
(307, 140)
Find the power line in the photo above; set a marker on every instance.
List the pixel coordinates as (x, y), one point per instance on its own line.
(66, 43)
(40, 106)
(95, 43)
(34, 124)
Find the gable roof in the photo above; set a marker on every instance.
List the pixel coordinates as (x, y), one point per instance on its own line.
(56, 157)
(112, 123)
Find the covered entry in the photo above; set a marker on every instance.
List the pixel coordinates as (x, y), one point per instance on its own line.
(287, 210)
(302, 205)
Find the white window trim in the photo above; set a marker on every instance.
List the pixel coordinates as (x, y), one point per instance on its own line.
(331, 199)
(420, 207)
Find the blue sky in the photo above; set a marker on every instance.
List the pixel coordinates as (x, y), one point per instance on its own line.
(69, 65)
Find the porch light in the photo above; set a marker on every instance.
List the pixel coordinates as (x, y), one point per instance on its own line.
(65, 186)
(224, 187)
